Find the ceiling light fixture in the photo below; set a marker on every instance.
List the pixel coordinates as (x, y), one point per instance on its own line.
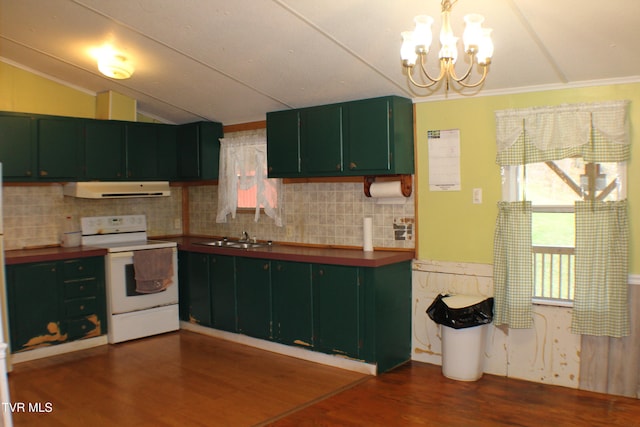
(115, 66)
(477, 45)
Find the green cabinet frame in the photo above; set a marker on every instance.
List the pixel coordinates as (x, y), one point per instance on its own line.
(104, 150)
(363, 313)
(18, 139)
(253, 285)
(55, 302)
(292, 303)
(357, 138)
(59, 148)
(199, 150)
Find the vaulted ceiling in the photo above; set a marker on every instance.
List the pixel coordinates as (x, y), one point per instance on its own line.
(232, 61)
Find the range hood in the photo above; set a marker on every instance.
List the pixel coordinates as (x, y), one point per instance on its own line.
(116, 190)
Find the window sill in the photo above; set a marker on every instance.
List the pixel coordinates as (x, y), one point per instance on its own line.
(552, 302)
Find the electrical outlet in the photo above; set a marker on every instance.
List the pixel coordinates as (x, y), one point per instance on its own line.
(177, 224)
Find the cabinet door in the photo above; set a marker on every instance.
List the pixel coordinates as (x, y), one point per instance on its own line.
(292, 314)
(17, 142)
(223, 292)
(337, 309)
(199, 293)
(368, 139)
(59, 148)
(321, 133)
(254, 297)
(167, 152)
(199, 150)
(142, 151)
(104, 149)
(34, 311)
(283, 143)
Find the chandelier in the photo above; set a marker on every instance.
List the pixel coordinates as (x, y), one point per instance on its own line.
(477, 46)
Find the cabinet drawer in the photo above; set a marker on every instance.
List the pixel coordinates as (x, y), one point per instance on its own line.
(80, 289)
(79, 307)
(83, 328)
(78, 268)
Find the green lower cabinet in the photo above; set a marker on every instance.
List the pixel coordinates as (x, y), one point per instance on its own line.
(361, 313)
(223, 292)
(197, 298)
(292, 297)
(253, 285)
(338, 309)
(34, 311)
(386, 327)
(55, 302)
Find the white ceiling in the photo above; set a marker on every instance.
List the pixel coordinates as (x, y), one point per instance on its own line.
(232, 61)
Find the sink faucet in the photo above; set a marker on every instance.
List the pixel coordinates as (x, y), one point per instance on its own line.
(245, 236)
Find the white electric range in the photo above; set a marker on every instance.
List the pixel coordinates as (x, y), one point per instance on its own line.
(131, 314)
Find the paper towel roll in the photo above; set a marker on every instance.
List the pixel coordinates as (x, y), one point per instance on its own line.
(367, 228)
(389, 192)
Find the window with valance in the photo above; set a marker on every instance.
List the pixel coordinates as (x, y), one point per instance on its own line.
(590, 135)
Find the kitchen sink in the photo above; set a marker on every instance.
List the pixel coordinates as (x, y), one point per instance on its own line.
(234, 244)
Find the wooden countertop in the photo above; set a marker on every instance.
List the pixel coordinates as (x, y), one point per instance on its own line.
(23, 256)
(299, 253)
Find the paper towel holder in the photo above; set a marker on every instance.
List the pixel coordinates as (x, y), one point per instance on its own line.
(405, 183)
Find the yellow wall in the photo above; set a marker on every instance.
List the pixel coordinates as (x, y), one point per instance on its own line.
(111, 105)
(450, 226)
(25, 92)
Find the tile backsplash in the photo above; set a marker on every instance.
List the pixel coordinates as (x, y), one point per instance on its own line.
(34, 215)
(315, 213)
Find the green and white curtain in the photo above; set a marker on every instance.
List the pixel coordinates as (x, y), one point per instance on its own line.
(512, 267)
(597, 132)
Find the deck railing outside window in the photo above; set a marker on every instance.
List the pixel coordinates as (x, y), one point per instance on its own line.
(553, 272)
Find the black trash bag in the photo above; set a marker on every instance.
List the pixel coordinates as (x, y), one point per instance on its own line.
(459, 318)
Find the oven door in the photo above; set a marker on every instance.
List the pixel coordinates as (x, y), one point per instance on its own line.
(121, 294)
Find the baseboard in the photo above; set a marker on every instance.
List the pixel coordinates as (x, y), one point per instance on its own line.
(55, 350)
(297, 352)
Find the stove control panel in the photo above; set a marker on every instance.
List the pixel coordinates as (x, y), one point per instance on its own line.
(113, 224)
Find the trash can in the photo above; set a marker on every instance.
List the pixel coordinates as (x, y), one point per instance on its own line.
(464, 320)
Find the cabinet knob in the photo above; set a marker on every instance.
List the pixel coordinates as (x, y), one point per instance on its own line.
(83, 327)
(80, 268)
(352, 165)
(320, 272)
(338, 167)
(265, 266)
(44, 173)
(270, 168)
(82, 307)
(28, 173)
(81, 287)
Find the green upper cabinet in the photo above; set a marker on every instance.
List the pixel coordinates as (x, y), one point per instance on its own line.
(59, 148)
(198, 150)
(151, 151)
(321, 140)
(366, 137)
(283, 146)
(379, 132)
(104, 145)
(17, 146)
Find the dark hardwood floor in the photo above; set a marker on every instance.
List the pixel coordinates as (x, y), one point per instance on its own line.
(187, 379)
